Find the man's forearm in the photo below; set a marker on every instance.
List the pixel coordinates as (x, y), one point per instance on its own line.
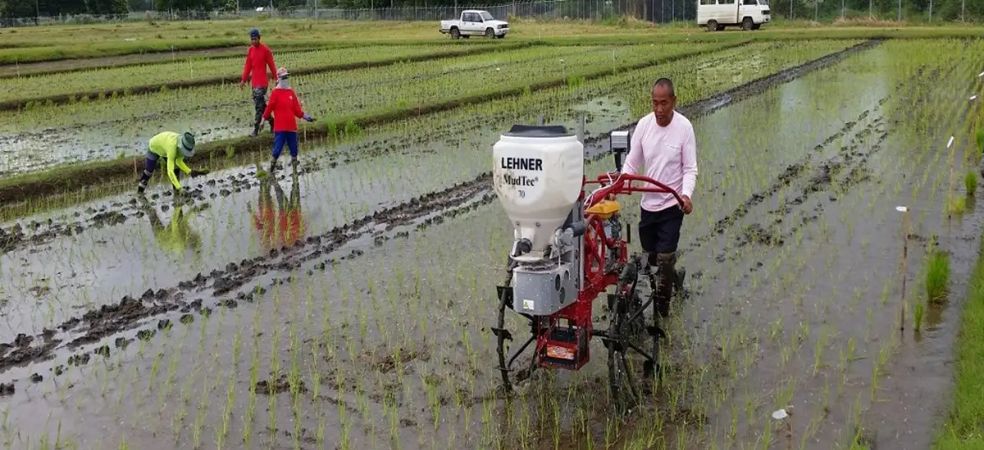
(689, 182)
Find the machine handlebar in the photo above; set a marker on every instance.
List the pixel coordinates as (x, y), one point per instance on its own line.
(622, 184)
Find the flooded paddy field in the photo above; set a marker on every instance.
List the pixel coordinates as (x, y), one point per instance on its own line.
(346, 302)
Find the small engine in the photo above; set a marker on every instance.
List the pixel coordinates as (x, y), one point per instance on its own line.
(538, 178)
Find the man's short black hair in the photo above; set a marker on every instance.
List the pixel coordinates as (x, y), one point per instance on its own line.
(665, 82)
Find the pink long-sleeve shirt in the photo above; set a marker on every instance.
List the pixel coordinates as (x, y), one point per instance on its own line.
(666, 154)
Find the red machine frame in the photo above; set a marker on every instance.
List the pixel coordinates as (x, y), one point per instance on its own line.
(596, 277)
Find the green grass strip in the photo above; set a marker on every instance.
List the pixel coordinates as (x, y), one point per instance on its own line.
(17, 104)
(964, 428)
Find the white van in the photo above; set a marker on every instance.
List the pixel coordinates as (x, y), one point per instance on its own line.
(716, 14)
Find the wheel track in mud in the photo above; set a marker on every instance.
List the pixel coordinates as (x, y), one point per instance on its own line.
(129, 312)
(98, 326)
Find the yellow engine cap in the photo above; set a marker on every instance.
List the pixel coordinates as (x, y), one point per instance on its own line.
(605, 209)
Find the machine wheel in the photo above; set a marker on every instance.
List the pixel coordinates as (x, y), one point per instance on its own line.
(747, 24)
(510, 374)
(756, 26)
(712, 25)
(455, 34)
(489, 33)
(626, 327)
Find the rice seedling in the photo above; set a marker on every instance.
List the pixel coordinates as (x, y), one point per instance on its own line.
(937, 274)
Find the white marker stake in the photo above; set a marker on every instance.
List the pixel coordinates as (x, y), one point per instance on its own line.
(973, 97)
(950, 142)
(901, 208)
(980, 75)
(779, 414)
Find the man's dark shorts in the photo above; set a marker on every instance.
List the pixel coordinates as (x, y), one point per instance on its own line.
(659, 231)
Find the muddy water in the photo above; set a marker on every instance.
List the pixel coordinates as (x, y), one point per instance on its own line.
(158, 247)
(426, 297)
(105, 129)
(803, 308)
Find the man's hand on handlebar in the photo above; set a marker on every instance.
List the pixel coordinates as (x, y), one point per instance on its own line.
(687, 206)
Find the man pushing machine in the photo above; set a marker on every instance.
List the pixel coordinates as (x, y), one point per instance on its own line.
(664, 148)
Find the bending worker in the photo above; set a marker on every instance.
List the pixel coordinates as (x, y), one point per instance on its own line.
(258, 59)
(665, 149)
(174, 148)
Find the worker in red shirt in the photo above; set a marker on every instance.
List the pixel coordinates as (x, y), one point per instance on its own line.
(258, 59)
(286, 108)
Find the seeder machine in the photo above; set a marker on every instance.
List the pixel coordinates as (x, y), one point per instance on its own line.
(570, 246)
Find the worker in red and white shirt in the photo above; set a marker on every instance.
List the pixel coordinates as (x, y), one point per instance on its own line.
(664, 148)
(286, 108)
(258, 59)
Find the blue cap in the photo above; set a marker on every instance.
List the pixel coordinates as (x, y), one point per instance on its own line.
(254, 33)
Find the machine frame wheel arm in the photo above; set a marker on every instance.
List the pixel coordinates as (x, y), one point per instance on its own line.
(622, 185)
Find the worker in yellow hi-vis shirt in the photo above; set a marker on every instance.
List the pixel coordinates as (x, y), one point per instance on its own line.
(174, 148)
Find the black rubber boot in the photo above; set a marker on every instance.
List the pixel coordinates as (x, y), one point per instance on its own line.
(663, 280)
(142, 183)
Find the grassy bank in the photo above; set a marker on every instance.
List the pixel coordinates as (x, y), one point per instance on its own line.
(134, 85)
(964, 428)
(51, 43)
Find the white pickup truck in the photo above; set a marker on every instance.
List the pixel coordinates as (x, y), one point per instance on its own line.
(475, 22)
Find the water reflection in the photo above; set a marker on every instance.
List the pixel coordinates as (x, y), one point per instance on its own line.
(177, 236)
(280, 223)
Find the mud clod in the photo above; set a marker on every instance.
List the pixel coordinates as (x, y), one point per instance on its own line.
(279, 385)
(6, 389)
(79, 360)
(145, 335)
(36, 378)
(23, 340)
(122, 343)
(102, 351)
